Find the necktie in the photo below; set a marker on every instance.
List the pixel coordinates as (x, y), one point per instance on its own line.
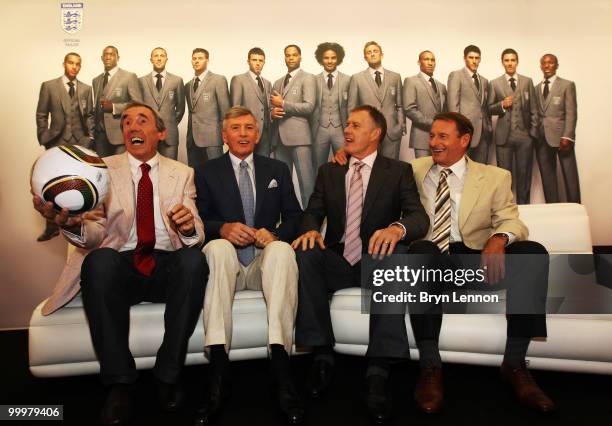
(158, 83)
(476, 82)
(546, 89)
(246, 254)
(330, 81)
(105, 81)
(260, 84)
(377, 78)
(286, 82)
(145, 224)
(442, 213)
(71, 90)
(352, 241)
(196, 83)
(513, 83)
(433, 84)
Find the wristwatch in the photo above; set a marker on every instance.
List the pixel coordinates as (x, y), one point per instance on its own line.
(502, 235)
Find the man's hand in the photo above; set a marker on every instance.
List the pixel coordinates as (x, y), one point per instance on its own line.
(507, 102)
(307, 241)
(62, 219)
(106, 105)
(340, 157)
(182, 220)
(565, 145)
(263, 237)
(383, 242)
(278, 113)
(276, 99)
(238, 234)
(492, 259)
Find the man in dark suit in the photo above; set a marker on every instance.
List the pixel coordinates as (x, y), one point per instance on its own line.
(557, 132)
(253, 92)
(66, 102)
(371, 204)
(242, 197)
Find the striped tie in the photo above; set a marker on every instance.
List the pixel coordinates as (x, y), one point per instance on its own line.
(442, 213)
(352, 241)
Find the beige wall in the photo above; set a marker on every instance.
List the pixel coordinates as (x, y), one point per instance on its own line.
(33, 48)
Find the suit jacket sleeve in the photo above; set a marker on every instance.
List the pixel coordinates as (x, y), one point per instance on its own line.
(180, 101)
(412, 110)
(306, 105)
(414, 217)
(222, 97)
(504, 211)
(399, 105)
(571, 112)
(133, 88)
(236, 91)
(291, 211)
(533, 111)
(42, 113)
(90, 116)
(315, 212)
(353, 96)
(453, 97)
(495, 104)
(204, 204)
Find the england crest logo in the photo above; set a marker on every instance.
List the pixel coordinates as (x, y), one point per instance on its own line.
(71, 17)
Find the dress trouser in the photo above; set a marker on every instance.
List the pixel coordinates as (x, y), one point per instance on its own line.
(526, 284)
(517, 154)
(111, 284)
(547, 162)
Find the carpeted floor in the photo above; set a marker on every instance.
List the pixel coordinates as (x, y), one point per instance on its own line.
(474, 395)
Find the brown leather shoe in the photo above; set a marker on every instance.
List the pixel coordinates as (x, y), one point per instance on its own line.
(51, 231)
(429, 392)
(526, 389)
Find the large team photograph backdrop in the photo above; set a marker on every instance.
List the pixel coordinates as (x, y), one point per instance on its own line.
(35, 44)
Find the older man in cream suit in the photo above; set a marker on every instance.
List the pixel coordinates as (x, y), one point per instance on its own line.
(140, 245)
(472, 212)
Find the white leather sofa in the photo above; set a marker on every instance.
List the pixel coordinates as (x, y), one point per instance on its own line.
(60, 345)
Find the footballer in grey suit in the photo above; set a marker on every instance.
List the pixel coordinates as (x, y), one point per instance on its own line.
(253, 92)
(208, 101)
(293, 100)
(423, 98)
(114, 89)
(331, 108)
(557, 132)
(167, 98)
(468, 94)
(381, 89)
(68, 102)
(517, 123)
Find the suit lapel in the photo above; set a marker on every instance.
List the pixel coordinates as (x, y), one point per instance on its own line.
(338, 176)
(167, 188)
(384, 86)
(65, 99)
(376, 182)
(291, 81)
(370, 82)
(198, 93)
(152, 89)
(470, 82)
(227, 175)
(262, 180)
(112, 82)
(119, 176)
(471, 190)
(430, 92)
(255, 86)
(339, 82)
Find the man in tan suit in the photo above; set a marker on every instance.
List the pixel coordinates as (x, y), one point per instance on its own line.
(243, 197)
(132, 249)
(473, 212)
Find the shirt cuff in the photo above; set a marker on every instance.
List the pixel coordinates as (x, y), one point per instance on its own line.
(402, 226)
(190, 240)
(77, 239)
(510, 235)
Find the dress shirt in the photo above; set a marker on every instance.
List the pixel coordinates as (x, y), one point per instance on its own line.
(254, 77)
(66, 80)
(380, 69)
(200, 77)
(471, 73)
(366, 171)
(334, 76)
(236, 166)
(456, 181)
(551, 81)
(515, 77)
(154, 77)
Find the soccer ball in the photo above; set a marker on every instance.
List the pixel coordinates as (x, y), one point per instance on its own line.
(70, 177)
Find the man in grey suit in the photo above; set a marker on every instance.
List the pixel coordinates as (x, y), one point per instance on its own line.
(557, 132)
(68, 102)
(208, 101)
(468, 94)
(293, 100)
(253, 92)
(512, 99)
(381, 89)
(330, 112)
(423, 98)
(165, 93)
(114, 89)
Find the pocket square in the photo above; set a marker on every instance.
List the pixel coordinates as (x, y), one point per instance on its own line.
(273, 184)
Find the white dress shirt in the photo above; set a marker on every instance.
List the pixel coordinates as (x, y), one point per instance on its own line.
(154, 77)
(200, 77)
(380, 69)
(66, 80)
(334, 76)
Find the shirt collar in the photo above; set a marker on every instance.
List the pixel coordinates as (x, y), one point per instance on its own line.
(65, 80)
(135, 163)
(112, 72)
(335, 74)
(294, 72)
(369, 160)
(201, 76)
(379, 69)
(425, 76)
(470, 72)
(551, 80)
(154, 73)
(458, 169)
(254, 76)
(508, 77)
(236, 161)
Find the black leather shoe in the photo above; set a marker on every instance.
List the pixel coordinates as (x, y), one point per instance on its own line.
(377, 399)
(290, 403)
(118, 407)
(321, 374)
(219, 391)
(170, 395)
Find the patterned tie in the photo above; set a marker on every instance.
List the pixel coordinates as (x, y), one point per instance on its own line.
(145, 224)
(377, 79)
(513, 83)
(260, 84)
(442, 213)
(71, 90)
(433, 84)
(330, 81)
(246, 254)
(286, 82)
(158, 83)
(476, 82)
(546, 89)
(352, 241)
(105, 81)
(196, 84)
